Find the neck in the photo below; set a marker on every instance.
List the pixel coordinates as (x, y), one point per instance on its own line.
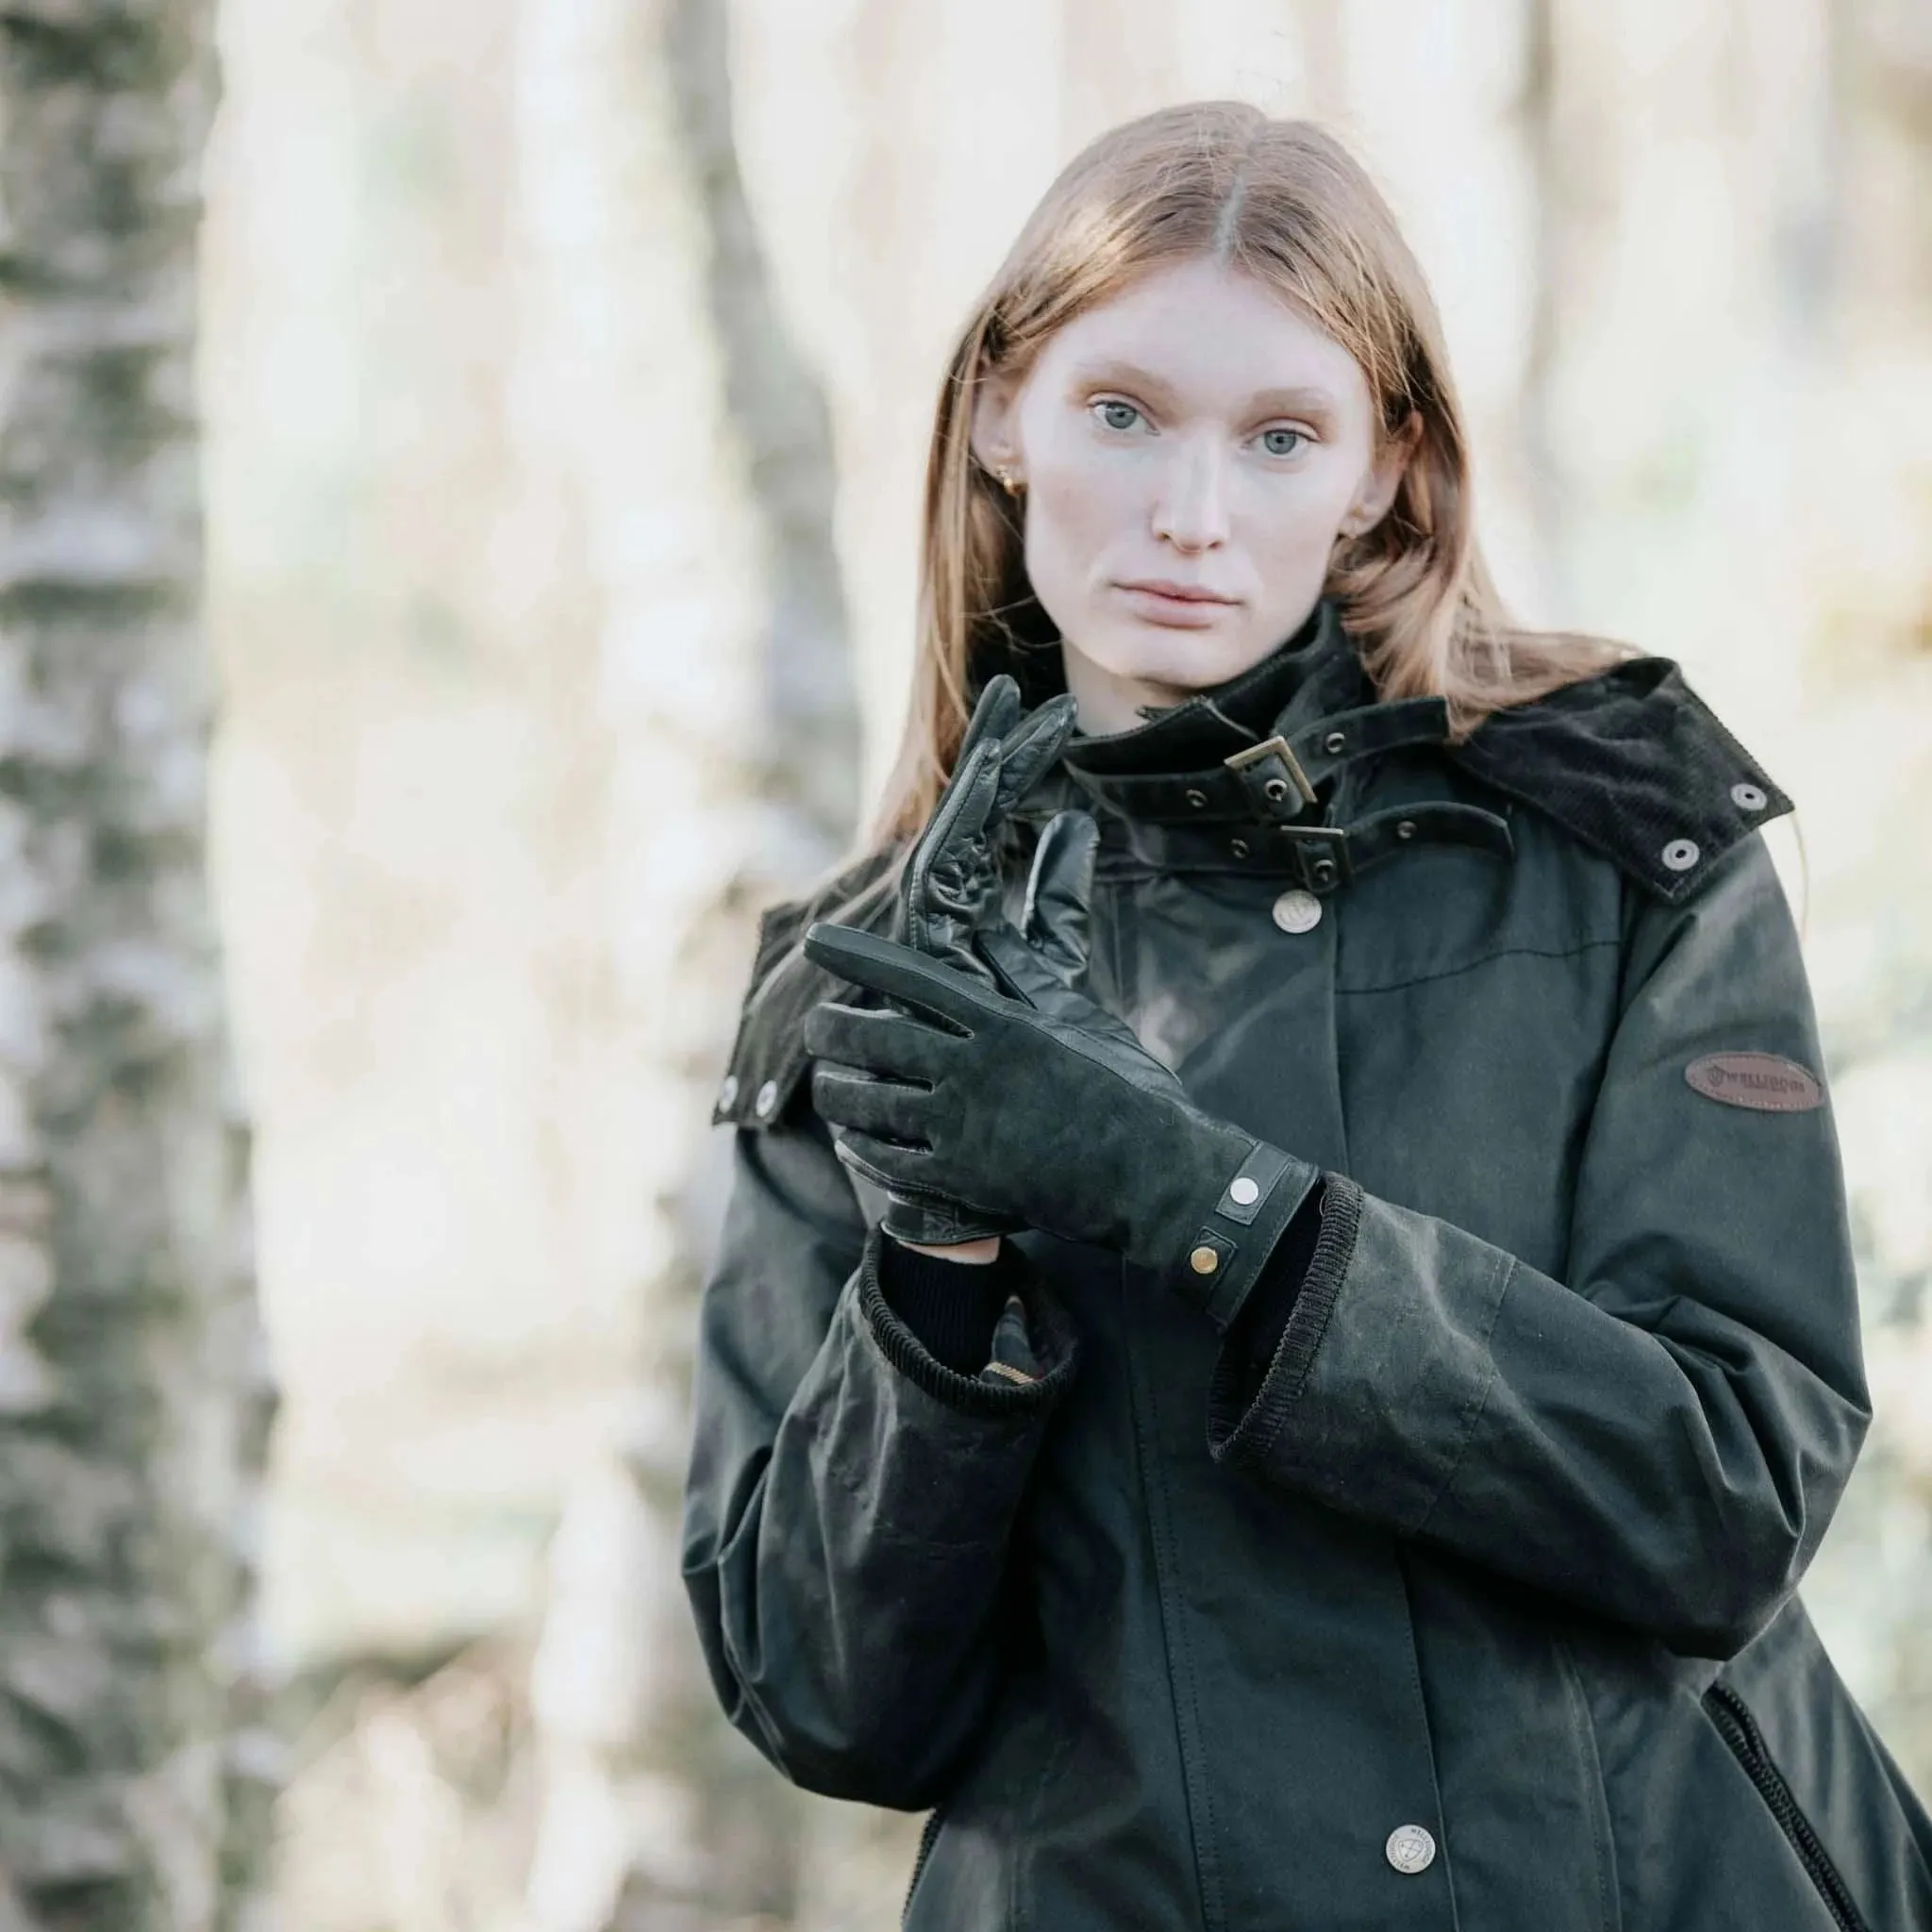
(1108, 703)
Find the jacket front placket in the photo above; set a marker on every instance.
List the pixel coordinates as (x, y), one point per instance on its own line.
(1259, 1587)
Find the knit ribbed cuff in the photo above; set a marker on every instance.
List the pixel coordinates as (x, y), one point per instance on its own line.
(952, 1306)
(1246, 1410)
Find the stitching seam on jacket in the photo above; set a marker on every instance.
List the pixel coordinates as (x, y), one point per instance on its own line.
(1470, 966)
(1180, 1662)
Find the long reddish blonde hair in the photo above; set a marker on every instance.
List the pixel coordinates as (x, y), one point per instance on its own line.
(1284, 201)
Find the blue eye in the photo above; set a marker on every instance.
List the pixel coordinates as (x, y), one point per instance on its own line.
(1117, 414)
(1270, 442)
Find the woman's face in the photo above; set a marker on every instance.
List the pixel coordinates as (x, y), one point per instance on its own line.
(1191, 452)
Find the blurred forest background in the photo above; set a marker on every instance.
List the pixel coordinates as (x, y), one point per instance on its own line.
(565, 370)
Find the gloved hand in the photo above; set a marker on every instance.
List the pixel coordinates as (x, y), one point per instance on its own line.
(951, 889)
(1047, 1115)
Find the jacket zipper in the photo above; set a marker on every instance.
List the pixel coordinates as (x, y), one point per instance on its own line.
(928, 1833)
(1738, 1729)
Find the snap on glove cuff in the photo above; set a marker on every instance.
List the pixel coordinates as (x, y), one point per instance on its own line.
(1225, 1257)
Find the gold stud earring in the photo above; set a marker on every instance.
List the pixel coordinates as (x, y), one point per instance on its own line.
(1008, 482)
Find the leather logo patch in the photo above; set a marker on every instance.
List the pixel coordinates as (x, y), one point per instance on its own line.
(1760, 1080)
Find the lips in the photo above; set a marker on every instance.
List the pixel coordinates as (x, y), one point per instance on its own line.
(1173, 606)
(1179, 594)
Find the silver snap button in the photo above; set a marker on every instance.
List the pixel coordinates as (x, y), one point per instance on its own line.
(1238, 847)
(1243, 1191)
(767, 1099)
(1405, 828)
(1748, 797)
(1680, 854)
(1297, 912)
(1336, 740)
(1410, 1849)
(1195, 796)
(1275, 791)
(727, 1095)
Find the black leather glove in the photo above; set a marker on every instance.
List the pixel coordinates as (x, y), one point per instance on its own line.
(1054, 1117)
(950, 887)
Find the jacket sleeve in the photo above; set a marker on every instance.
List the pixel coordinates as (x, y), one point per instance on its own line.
(1661, 1437)
(849, 1500)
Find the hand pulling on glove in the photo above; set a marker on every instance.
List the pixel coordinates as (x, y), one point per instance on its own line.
(1051, 1115)
(951, 890)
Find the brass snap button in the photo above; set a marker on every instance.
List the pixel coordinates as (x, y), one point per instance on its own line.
(1204, 1260)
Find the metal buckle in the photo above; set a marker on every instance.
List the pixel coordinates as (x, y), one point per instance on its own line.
(1272, 791)
(1321, 854)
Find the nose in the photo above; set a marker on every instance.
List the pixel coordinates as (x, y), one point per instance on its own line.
(1190, 510)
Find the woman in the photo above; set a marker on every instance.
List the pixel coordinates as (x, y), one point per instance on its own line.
(1286, 1365)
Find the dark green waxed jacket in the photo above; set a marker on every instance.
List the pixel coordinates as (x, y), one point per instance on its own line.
(1478, 1610)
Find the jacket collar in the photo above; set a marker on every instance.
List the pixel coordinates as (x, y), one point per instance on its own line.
(1239, 779)
(1630, 761)
(1633, 763)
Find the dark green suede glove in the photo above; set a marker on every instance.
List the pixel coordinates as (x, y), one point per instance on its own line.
(951, 886)
(1057, 1118)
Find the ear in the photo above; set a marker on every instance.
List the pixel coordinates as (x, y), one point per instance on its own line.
(1377, 492)
(995, 432)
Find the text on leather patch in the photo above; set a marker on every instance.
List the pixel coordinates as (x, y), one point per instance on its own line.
(1761, 1080)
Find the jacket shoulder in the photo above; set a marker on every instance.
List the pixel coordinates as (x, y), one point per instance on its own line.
(768, 1055)
(1634, 764)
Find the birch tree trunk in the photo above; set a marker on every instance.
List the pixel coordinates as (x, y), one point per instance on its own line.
(133, 1404)
(698, 464)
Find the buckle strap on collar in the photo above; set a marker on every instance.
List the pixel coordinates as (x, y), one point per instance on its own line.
(1330, 743)
(1274, 780)
(1328, 857)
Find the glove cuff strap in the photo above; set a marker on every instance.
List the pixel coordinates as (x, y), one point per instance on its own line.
(1226, 1253)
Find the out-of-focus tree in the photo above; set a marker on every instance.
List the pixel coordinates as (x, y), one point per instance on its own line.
(695, 449)
(134, 1400)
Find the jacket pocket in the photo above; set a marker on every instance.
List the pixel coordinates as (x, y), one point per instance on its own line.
(1609, 1903)
(1735, 1724)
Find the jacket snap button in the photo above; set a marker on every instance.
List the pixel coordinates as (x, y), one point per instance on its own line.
(1243, 1191)
(1204, 1260)
(1335, 742)
(767, 1099)
(1275, 791)
(727, 1095)
(1195, 796)
(1297, 912)
(1680, 854)
(1747, 798)
(1238, 847)
(1406, 830)
(1410, 1849)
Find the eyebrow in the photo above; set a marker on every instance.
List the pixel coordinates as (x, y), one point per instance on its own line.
(1306, 398)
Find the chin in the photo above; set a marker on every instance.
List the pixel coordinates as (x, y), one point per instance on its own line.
(1184, 660)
